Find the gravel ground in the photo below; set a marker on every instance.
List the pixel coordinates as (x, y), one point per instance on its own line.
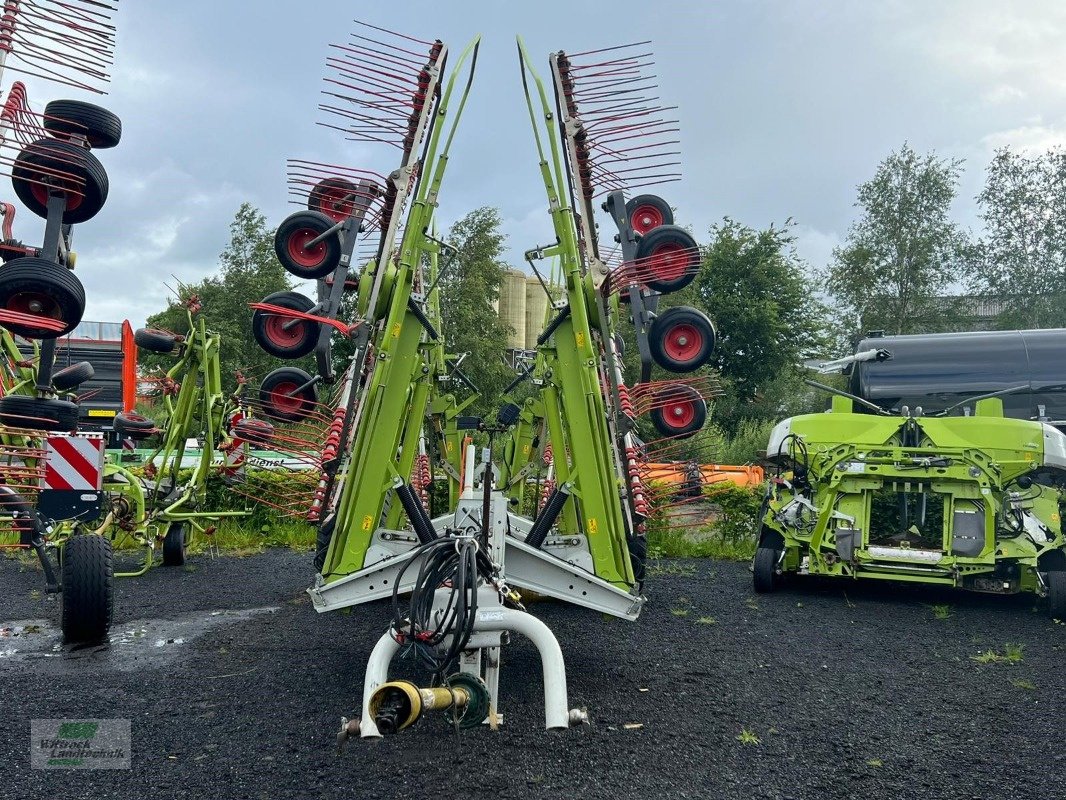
(851, 690)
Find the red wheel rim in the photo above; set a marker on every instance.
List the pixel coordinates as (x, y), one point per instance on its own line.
(301, 255)
(645, 218)
(670, 262)
(334, 202)
(280, 335)
(679, 415)
(38, 304)
(284, 398)
(40, 194)
(683, 343)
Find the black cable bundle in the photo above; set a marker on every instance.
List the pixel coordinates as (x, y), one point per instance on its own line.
(452, 562)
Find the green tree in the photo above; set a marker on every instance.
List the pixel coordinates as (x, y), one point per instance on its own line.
(904, 252)
(757, 291)
(468, 290)
(1023, 251)
(248, 271)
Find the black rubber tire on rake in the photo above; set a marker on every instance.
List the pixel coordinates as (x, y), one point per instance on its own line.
(174, 544)
(290, 242)
(154, 340)
(41, 287)
(133, 426)
(73, 376)
(668, 258)
(330, 197)
(282, 398)
(272, 332)
(646, 212)
(100, 127)
(88, 589)
(38, 164)
(679, 426)
(676, 354)
(38, 413)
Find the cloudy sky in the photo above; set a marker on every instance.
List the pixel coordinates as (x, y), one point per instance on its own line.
(785, 106)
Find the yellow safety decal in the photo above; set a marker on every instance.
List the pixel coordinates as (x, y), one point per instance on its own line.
(593, 525)
(367, 522)
(396, 331)
(580, 337)
(100, 412)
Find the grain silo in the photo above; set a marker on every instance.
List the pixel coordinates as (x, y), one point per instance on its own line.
(536, 309)
(513, 307)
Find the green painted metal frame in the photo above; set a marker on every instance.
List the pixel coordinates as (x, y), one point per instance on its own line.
(582, 425)
(392, 403)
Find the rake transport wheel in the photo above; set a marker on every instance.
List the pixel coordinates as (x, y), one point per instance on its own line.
(38, 413)
(680, 412)
(174, 544)
(287, 395)
(291, 245)
(681, 339)
(41, 288)
(154, 340)
(133, 426)
(647, 212)
(285, 337)
(668, 258)
(764, 574)
(88, 588)
(73, 376)
(334, 197)
(254, 431)
(100, 127)
(63, 167)
(1056, 594)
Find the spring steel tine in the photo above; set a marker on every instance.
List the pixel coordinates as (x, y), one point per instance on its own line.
(355, 70)
(610, 49)
(404, 66)
(388, 46)
(393, 33)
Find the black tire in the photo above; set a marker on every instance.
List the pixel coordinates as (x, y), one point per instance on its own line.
(294, 233)
(65, 167)
(100, 127)
(680, 411)
(682, 339)
(281, 397)
(1056, 594)
(42, 288)
(73, 376)
(322, 539)
(154, 340)
(133, 426)
(174, 544)
(764, 570)
(88, 589)
(38, 414)
(646, 212)
(271, 332)
(254, 431)
(333, 197)
(668, 259)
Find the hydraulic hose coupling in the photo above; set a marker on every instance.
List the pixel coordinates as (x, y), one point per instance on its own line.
(400, 704)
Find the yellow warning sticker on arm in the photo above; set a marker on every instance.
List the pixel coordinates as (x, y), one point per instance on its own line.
(367, 522)
(593, 525)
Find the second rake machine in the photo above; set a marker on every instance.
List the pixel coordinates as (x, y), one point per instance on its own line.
(454, 578)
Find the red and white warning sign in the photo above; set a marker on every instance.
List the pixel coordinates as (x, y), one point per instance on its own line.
(74, 463)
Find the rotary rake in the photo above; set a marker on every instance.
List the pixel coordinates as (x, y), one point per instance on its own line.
(392, 417)
(54, 174)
